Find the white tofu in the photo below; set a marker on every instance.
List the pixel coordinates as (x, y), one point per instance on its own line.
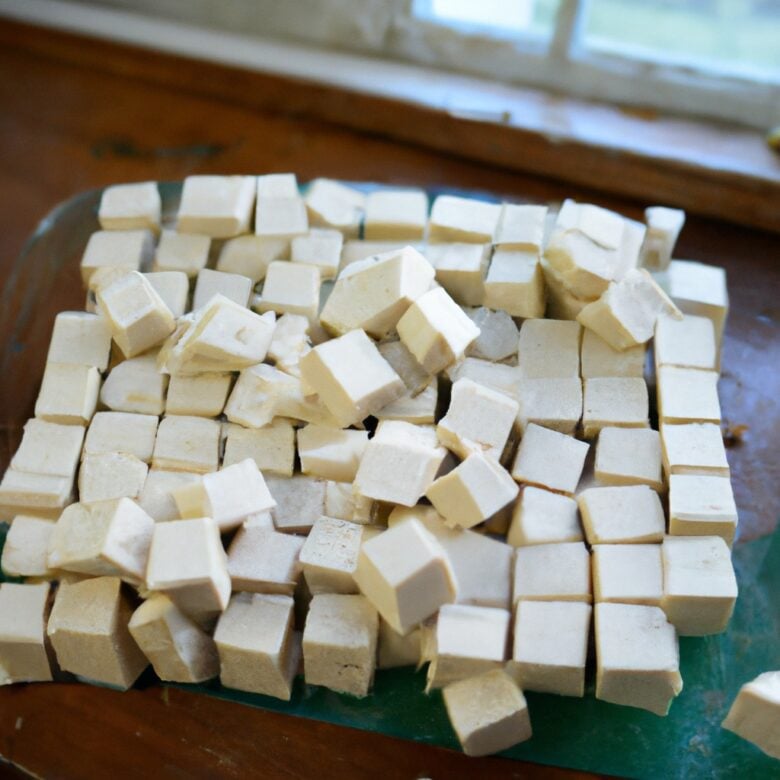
(488, 713)
(135, 386)
(396, 215)
(292, 288)
(461, 269)
(629, 456)
(49, 448)
(583, 266)
(599, 359)
(290, 342)
(179, 649)
(416, 409)
(405, 573)
(400, 463)
(689, 342)
(261, 560)
(551, 646)
(549, 348)
(300, 501)
(203, 395)
(614, 402)
(280, 217)
(173, 287)
(251, 255)
(663, 228)
(702, 506)
(755, 713)
(80, 338)
(628, 573)
(330, 554)
(701, 290)
(38, 494)
(521, 227)
(554, 403)
(134, 206)
(343, 503)
(549, 459)
(353, 251)
(699, 585)
(277, 185)
(187, 443)
(26, 548)
(613, 515)
(694, 448)
(334, 205)
(498, 376)
(156, 498)
(638, 658)
(68, 394)
(515, 283)
(319, 247)
(331, 453)
(258, 650)
(687, 395)
(129, 250)
(339, 643)
(234, 287)
(217, 206)
(436, 330)
(455, 218)
(561, 303)
(132, 434)
(542, 517)
(110, 538)
(404, 363)
(552, 572)
(395, 649)
(23, 651)
(110, 475)
(272, 448)
(187, 253)
(498, 335)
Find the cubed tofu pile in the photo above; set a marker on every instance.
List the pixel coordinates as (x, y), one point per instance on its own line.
(335, 433)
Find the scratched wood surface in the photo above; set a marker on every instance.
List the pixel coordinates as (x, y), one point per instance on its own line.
(66, 127)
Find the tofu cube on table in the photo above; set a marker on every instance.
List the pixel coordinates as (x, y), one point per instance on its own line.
(331, 453)
(132, 434)
(688, 342)
(329, 556)
(300, 501)
(216, 206)
(395, 215)
(521, 227)
(203, 395)
(291, 288)
(280, 217)
(235, 287)
(515, 283)
(455, 218)
(552, 402)
(80, 338)
(599, 359)
(629, 456)
(460, 270)
(702, 506)
(262, 560)
(549, 348)
(134, 206)
(620, 402)
(49, 448)
(332, 204)
(700, 289)
(249, 255)
(186, 443)
(628, 573)
(755, 713)
(320, 247)
(542, 517)
(187, 253)
(109, 475)
(663, 228)
(26, 548)
(624, 514)
(272, 447)
(687, 395)
(129, 250)
(135, 386)
(68, 394)
(24, 655)
(39, 494)
(552, 572)
(694, 448)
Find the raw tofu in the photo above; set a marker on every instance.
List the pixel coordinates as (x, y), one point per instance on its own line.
(130, 207)
(111, 475)
(24, 655)
(542, 517)
(599, 359)
(354, 251)
(68, 394)
(37, 494)
(702, 505)
(156, 498)
(521, 227)
(461, 269)
(173, 287)
(26, 548)
(613, 515)
(250, 255)
(330, 554)
(319, 247)
(463, 219)
(629, 456)
(417, 409)
(549, 459)
(128, 250)
(396, 215)
(620, 402)
(700, 289)
(549, 402)
(343, 503)
(498, 335)
(262, 560)
(187, 253)
(331, 453)
(552, 572)
(132, 434)
(334, 205)
(280, 217)
(272, 447)
(549, 349)
(694, 448)
(300, 501)
(135, 386)
(628, 573)
(663, 228)
(217, 206)
(187, 443)
(561, 303)
(235, 287)
(49, 448)
(687, 395)
(755, 713)
(203, 395)
(80, 338)
(689, 342)
(515, 283)
(396, 650)
(291, 288)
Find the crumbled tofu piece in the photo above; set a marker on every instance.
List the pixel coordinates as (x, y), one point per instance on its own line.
(319, 247)
(203, 395)
(290, 342)
(329, 556)
(405, 573)
(463, 219)
(280, 216)
(619, 402)
(629, 456)
(436, 330)
(689, 342)
(135, 386)
(49, 448)
(217, 206)
(551, 646)
(262, 560)
(663, 228)
(461, 269)
(549, 348)
(334, 205)
(300, 501)
(702, 506)
(24, 655)
(156, 498)
(498, 335)
(187, 563)
(251, 255)
(626, 314)
(699, 585)
(331, 453)
(755, 713)
(68, 394)
(399, 463)
(599, 359)
(700, 289)
(132, 434)
(467, 641)
(187, 443)
(351, 377)
(258, 650)
(552, 572)
(80, 338)
(235, 287)
(25, 552)
(628, 573)
(473, 491)
(129, 250)
(521, 227)
(630, 513)
(694, 448)
(355, 251)
(549, 459)
(396, 649)
(488, 713)
(637, 656)
(687, 395)
(174, 289)
(272, 447)
(130, 207)
(554, 403)
(515, 283)
(187, 253)
(542, 517)
(396, 215)
(88, 631)
(39, 494)
(343, 503)
(108, 475)
(277, 185)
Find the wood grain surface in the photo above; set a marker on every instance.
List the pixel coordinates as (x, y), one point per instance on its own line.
(70, 122)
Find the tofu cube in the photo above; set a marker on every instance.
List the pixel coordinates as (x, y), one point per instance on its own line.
(339, 643)
(178, 648)
(700, 289)
(49, 448)
(687, 395)
(396, 215)
(88, 631)
(351, 377)
(488, 713)
(473, 491)
(497, 376)
(629, 456)
(68, 394)
(26, 548)
(261, 560)
(135, 386)
(395, 649)
(498, 335)
(331, 453)
(699, 585)
(619, 402)
(277, 185)
(755, 713)
(468, 220)
(80, 338)
(599, 359)
(663, 228)
(330, 554)
(702, 506)
(187, 253)
(111, 475)
(272, 447)
(621, 515)
(515, 283)
(552, 572)
(187, 443)
(132, 434)
(404, 363)
(694, 448)
(251, 255)
(234, 287)
(319, 247)
(628, 573)
(292, 288)
(23, 652)
(416, 409)
(354, 251)
(39, 494)
(280, 217)
(130, 207)
(156, 498)
(689, 342)
(203, 395)
(460, 270)
(405, 573)
(334, 205)
(561, 303)
(521, 227)
(542, 517)
(128, 250)
(300, 501)
(343, 503)
(549, 348)
(549, 459)
(551, 646)
(258, 650)
(554, 403)
(173, 287)
(290, 342)
(637, 657)
(217, 206)
(399, 463)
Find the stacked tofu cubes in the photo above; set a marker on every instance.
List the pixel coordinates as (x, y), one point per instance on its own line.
(331, 433)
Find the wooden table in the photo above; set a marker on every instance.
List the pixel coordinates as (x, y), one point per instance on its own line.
(66, 127)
